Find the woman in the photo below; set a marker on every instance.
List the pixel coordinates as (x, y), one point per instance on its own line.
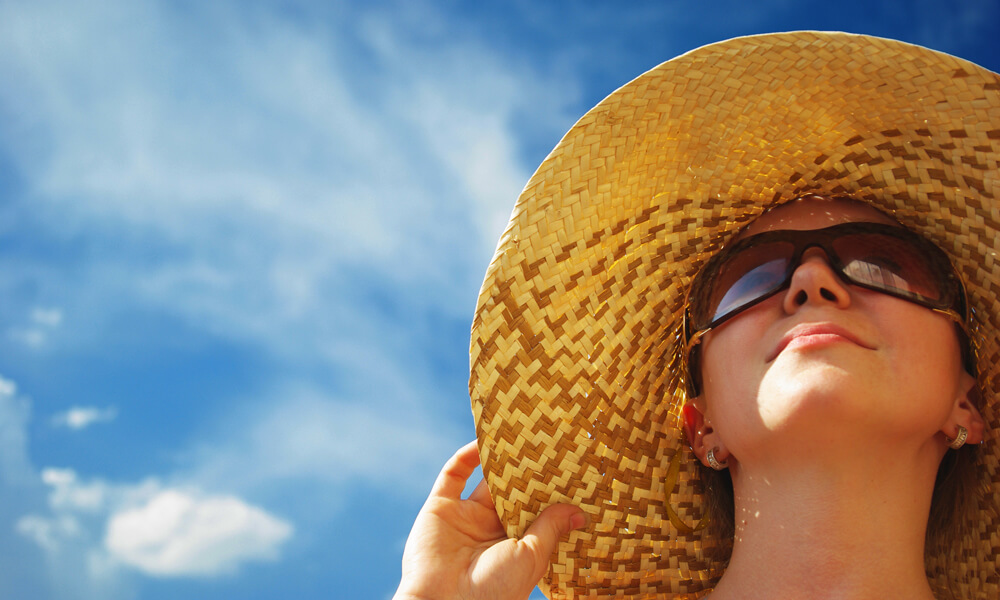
(822, 370)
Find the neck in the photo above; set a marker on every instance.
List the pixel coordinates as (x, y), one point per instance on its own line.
(836, 529)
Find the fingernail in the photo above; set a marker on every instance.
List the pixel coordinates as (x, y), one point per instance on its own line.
(578, 521)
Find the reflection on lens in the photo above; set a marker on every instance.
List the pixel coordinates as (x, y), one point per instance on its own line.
(752, 285)
(877, 275)
(888, 263)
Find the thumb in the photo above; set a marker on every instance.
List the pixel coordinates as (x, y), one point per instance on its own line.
(551, 524)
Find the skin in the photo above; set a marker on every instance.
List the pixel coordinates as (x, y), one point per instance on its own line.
(904, 355)
(458, 548)
(833, 444)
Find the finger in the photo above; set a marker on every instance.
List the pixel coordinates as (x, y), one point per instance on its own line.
(451, 481)
(482, 495)
(539, 542)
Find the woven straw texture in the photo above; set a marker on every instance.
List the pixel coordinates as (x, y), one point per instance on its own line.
(575, 380)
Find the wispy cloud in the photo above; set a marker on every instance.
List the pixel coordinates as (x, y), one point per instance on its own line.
(263, 177)
(47, 317)
(22, 493)
(309, 436)
(7, 387)
(40, 325)
(315, 188)
(15, 412)
(322, 192)
(81, 417)
(326, 192)
(48, 533)
(72, 495)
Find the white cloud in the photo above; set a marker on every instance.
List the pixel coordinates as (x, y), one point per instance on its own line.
(47, 317)
(93, 528)
(81, 417)
(268, 165)
(7, 387)
(49, 533)
(76, 509)
(32, 338)
(311, 437)
(15, 412)
(68, 493)
(267, 179)
(43, 321)
(177, 533)
(162, 531)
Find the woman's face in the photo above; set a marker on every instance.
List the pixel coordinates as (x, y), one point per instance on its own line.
(826, 364)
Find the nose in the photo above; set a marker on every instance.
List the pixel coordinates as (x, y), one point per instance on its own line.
(814, 281)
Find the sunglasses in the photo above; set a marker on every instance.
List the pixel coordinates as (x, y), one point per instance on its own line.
(875, 256)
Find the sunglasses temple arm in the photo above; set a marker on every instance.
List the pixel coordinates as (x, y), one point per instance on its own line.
(954, 316)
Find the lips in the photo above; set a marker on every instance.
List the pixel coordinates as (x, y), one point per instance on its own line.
(819, 332)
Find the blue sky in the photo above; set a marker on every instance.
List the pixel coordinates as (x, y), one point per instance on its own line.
(240, 247)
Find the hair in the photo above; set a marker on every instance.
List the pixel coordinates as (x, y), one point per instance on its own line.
(954, 493)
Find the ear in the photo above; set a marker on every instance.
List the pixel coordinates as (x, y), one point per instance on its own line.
(700, 433)
(964, 413)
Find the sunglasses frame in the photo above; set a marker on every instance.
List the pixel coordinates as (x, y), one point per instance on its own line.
(953, 305)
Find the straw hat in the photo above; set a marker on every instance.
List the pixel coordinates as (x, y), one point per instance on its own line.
(575, 354)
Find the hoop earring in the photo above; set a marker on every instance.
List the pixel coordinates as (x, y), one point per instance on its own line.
(959, 440)
(714, 462)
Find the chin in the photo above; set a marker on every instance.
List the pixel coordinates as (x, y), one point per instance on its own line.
(822, 392)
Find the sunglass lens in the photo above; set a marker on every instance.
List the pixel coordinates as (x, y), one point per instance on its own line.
(747, 277)
(889, 264)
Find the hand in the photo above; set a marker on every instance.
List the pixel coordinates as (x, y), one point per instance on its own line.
(459, 549)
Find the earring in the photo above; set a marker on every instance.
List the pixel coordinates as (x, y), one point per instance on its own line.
(959, 440)
(714, 462)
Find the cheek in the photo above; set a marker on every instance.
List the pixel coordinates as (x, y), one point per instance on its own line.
(730, 386)
(927, 363)
(730, 377)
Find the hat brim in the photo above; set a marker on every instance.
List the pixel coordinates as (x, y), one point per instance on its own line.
(575, 378)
